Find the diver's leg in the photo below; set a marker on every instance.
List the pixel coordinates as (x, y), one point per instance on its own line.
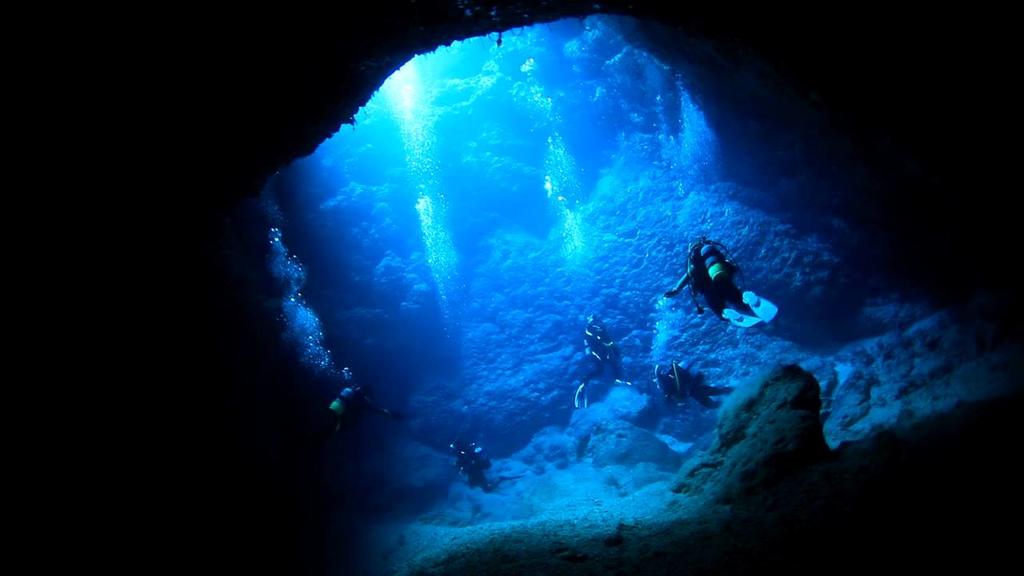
(620, 374)
(714, 300)
(725, 299)
(698, 394)
(596, 370)
(733, 298)
(332, 422)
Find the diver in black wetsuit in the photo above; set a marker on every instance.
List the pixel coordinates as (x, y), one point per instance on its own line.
(678, 383)
(712, 273)
(471, 462)
(352, 399)
(603, 352)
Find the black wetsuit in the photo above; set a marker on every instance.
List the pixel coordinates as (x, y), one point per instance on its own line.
(602, 351)
(678, 383)
(471, 462)
(711, 273)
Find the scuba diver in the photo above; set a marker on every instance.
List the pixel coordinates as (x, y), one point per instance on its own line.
(352, 399)
(712, 273)
(471, 463)
(603, 351)
(678, 382)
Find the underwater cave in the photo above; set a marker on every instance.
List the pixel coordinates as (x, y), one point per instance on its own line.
(495, 177)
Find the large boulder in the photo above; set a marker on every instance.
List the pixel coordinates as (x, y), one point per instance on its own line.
(765, 432)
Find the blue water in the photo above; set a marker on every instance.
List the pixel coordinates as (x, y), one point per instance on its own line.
(450, 245)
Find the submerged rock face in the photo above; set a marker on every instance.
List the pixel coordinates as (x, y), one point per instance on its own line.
(602, 435)
(609, 441)
(917, 369)
(769, 496)
(763, 434)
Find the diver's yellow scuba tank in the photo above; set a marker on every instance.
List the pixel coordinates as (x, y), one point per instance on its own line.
(338, 406)
(716, 270)
(715, 262)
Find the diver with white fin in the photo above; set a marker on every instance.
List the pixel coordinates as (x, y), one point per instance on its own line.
(602, 351)
(712, 273)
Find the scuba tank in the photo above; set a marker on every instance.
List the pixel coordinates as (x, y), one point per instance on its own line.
(714, 262)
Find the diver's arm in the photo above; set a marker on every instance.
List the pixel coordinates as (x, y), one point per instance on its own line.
(384, 411)
(679, 286)
(369, 403)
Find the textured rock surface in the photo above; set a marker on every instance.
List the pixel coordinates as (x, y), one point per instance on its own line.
(930, 365)
(765, 432)
(892, 499)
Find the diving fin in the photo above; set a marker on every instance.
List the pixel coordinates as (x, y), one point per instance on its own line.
(764, 309)
(581, 390)
(741, 320)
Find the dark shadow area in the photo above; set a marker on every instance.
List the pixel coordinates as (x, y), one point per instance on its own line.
(934, 497)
